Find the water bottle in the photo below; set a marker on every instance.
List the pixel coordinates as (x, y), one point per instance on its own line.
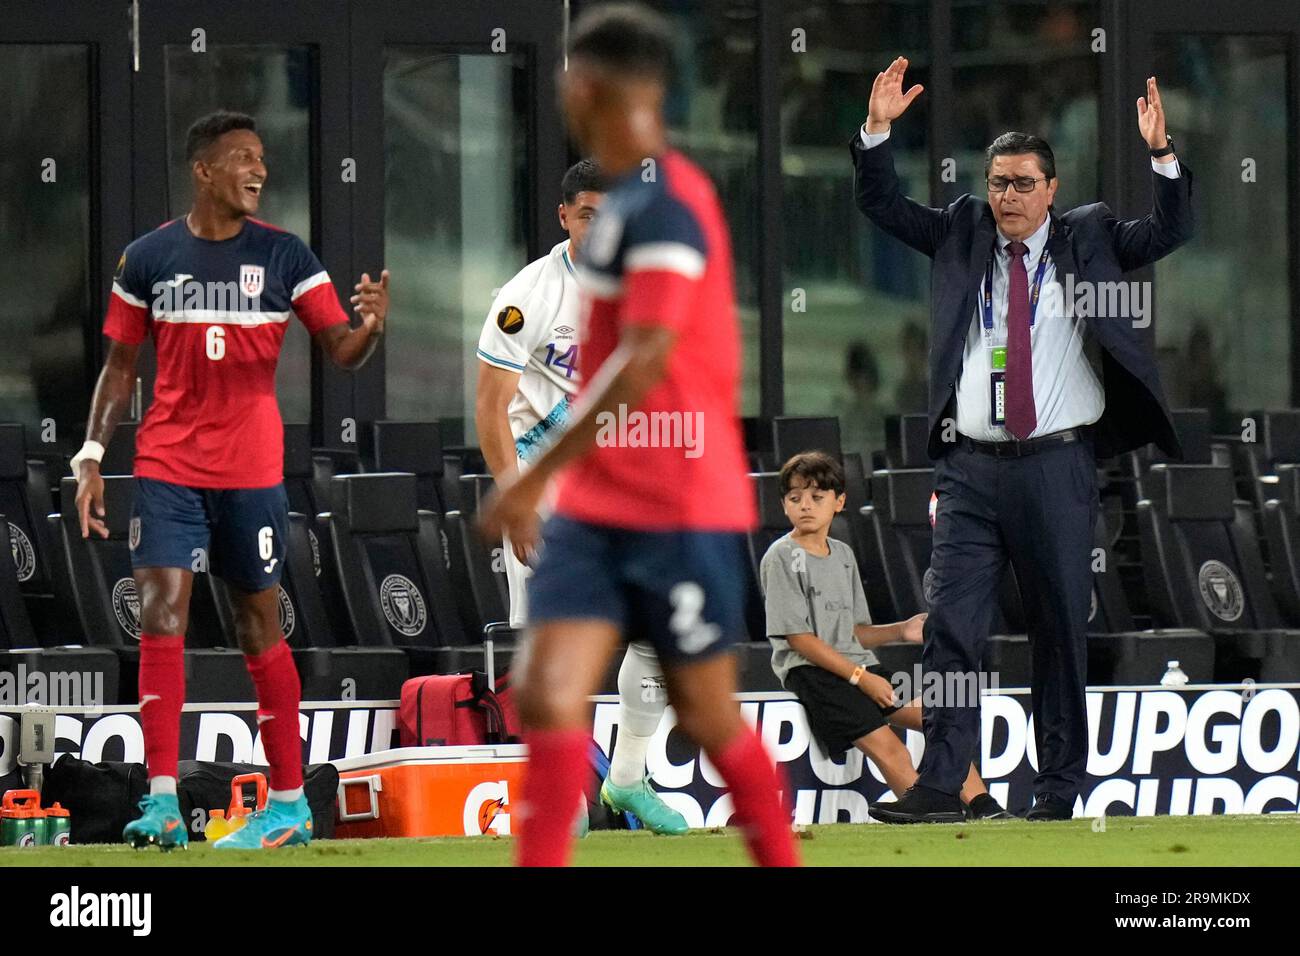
(1174, 676)
(216, 827)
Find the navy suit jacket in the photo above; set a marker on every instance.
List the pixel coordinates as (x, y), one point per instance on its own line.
(1089, 242)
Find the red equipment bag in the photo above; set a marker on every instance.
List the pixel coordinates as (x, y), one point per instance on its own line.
(451, 710)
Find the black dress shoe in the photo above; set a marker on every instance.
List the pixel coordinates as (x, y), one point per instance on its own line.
(1048, 806)
(984, 807)
(920, 805)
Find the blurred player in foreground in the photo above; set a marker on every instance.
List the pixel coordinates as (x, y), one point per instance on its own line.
(647, 539)
(215, 289)
(527, 372)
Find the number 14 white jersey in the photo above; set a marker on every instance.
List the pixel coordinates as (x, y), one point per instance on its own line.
(533, 329)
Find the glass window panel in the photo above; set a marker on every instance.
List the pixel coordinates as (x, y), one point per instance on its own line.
(857, 350)
(45, 295)
(456, 217)
(1028, 66)
(273, 85)
(712, 114)
(1223, 326)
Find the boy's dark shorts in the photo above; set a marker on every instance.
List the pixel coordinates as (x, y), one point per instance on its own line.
(838, 713)
(244, 531)
(682, 591)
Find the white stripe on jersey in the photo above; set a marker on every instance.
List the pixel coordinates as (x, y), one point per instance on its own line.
(665, 257)
(222, 317)
(311, 282)
(128, 298)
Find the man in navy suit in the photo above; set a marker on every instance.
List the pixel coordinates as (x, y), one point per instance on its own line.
(1040, 362)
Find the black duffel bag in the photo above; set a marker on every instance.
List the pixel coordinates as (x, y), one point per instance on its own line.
(102, 798)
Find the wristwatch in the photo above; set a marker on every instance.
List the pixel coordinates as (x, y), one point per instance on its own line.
(1166, 150)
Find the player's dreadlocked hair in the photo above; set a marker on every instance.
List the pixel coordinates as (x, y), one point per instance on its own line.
(207, 129)
(582, 177)
(627, 38)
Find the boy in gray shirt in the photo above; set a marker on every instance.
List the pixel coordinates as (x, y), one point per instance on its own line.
(822, 636)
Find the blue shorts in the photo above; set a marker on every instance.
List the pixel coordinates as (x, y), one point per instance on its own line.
(682, 591)
(242, 531)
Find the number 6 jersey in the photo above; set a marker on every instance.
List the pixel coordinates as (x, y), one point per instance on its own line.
(532, 329)
(217, 311)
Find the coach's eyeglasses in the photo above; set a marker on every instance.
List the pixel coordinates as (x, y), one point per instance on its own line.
(1023, 184)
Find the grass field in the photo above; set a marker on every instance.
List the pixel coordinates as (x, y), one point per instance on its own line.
(1272, 840)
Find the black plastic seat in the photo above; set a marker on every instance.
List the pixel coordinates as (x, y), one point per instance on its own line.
(907, 439)
(392, 564)
(415, 447)
(1204, 570)
(793, 434)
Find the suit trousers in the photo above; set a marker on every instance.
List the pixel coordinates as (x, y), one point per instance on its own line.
(1038, 512)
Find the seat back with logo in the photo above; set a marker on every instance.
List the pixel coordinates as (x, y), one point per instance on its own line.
(15, 626)
(24, 506)
(390, 562)
(415, 447)
(1201, 553)
(103, 589)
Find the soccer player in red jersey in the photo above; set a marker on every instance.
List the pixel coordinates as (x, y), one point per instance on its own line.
(215, 289)
(647, 537)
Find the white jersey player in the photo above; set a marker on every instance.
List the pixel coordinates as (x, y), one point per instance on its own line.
(528, 373)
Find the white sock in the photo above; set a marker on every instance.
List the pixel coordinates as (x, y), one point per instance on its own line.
(285, 796)
(163, 785)
(641, 702)
(627, 766)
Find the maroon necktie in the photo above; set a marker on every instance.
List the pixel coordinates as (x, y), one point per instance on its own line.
(1021, 414)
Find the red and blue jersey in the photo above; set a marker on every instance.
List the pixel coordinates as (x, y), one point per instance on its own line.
(659, 253)
(217, 311)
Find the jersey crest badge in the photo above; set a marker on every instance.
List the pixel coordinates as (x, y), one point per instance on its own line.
(251, 280)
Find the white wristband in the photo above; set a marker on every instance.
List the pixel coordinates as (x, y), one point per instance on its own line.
(90, 451)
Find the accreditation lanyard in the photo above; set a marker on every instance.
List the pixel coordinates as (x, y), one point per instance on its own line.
(998, 353)
(1033, 295)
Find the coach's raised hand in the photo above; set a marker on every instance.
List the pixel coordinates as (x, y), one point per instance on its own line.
(888, 101)
(1151, 118)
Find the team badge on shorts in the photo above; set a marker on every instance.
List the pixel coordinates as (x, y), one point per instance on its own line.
(403, 604)
(134, 535)
(251, 280)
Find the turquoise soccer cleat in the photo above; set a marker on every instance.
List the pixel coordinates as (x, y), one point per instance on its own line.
(646, 805)
(279, 824)
(160, 824)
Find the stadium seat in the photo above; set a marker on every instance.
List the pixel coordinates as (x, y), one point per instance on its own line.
(1280, 516)
(792, 435)
(300, 472)
(24, 500)
(75, 676)
(1204, 570)
(15, 626)
(393, 567)
(103, 588)
(119, 456)
(907, 439)
(415, 447)
(485, 562)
